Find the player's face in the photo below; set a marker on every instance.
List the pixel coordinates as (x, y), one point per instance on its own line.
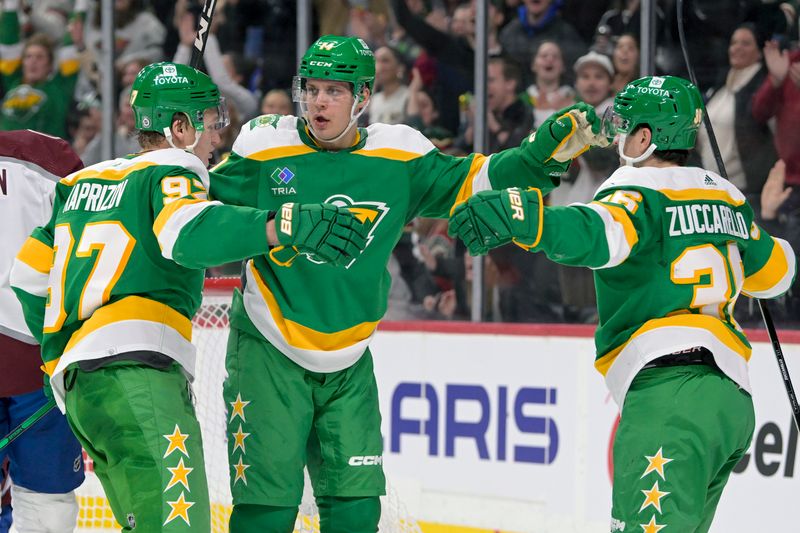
(35, 64)
(329, 106)
(210, 138)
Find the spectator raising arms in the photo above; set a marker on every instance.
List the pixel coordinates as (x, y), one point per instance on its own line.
(779, 97)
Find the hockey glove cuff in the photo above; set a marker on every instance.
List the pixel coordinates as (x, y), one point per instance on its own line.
(494, 218)
(567, 133)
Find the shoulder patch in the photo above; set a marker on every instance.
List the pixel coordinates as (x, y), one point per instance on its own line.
(264, 120)
(396, 137)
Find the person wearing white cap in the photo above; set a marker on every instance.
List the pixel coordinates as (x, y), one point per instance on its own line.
(594, 75)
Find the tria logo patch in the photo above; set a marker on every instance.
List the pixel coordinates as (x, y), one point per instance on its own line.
(282, 177)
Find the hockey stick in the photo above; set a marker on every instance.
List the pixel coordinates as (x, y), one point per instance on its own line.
(28, 422)
(773, 335)
(203, 27)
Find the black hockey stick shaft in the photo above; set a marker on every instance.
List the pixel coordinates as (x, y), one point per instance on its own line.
(28, 422)
(203, 27)
(773, 335)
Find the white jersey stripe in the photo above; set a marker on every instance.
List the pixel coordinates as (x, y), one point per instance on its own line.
(171, 229)
(619, 248)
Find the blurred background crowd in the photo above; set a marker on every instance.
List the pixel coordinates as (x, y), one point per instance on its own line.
(543, 55)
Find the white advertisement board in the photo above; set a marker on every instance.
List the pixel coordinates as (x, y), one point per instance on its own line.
(512, 432)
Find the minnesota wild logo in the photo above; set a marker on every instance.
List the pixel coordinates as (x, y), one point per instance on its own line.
(371, 213)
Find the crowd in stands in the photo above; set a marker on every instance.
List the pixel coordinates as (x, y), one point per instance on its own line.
(543, 55)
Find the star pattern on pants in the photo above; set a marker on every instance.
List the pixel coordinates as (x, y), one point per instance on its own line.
(238, 408)
(238, 439)
(653, 497)
(177, 441)
(655, 463)
(652, 526)
(180, 474)
(240, 467)
(180, 509)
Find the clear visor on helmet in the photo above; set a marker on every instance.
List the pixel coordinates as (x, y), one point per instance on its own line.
(219, 115)
(305, 91)
(613, 124)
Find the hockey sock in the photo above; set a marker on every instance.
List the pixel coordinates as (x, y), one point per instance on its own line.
(248, 518)
(349, 515)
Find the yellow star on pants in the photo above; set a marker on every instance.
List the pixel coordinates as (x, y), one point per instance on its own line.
(176, 442)
(238, 439)
(652, 526)
(656, 463)
(180, 508)
(240, 467)
(180, 475)
(653, 497)
(238, 408)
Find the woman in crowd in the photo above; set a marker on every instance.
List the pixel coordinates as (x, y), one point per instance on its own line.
(730, 110)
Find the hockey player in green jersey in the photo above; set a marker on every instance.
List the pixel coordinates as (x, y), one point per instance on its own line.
(672, 248)
(300, 380)
(111, 283)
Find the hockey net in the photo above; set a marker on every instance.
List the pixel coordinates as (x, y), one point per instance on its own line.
(210, 335)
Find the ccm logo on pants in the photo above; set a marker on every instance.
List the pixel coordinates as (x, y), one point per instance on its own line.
(365, 460)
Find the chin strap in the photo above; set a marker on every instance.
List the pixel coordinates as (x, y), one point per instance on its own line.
(631, 161)
(353, 119)
(190, 148)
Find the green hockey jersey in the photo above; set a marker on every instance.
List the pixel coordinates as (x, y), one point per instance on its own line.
(672, 249)
(320, 316)
(42, 106)
(118, 268)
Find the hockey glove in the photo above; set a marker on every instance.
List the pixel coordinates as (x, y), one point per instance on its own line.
(493, 218)
(566, 134)
(330, 233)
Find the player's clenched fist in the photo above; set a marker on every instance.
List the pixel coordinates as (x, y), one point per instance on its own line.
(493, 218)
(329, 232)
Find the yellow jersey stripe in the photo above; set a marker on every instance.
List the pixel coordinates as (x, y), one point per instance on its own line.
(69, 67)
(620, 215)
(389, 153)
(169, 210)
(305, 338)
(688, 195)
(36, 255)
(111, 174)
(280, 151)
(50, 366)
(132, 308)
(9, 66)
(770, 274)
(709, 323)
(466, 187)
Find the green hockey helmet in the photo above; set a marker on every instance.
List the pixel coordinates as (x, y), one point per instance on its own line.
(670, 106)
(336, 58)
(162, 89)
